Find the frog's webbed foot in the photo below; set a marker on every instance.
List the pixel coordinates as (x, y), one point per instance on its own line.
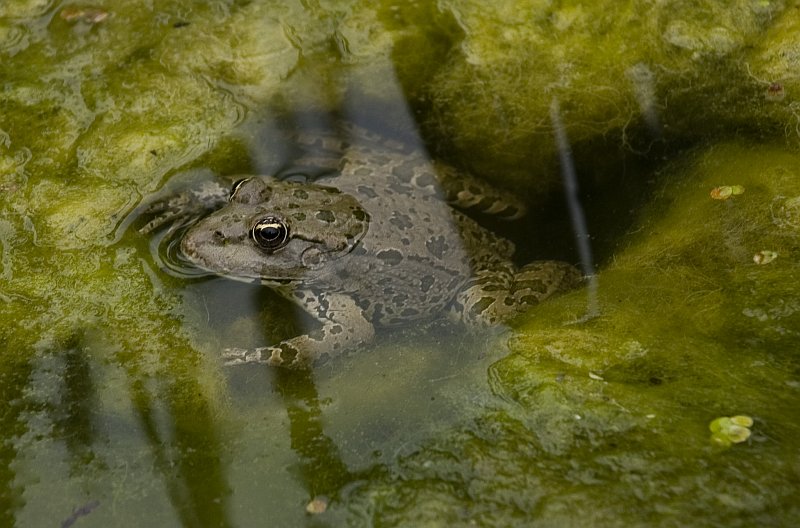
(285, 354)
(181, 204)
(301, 352)
(498, 295)
(343, 326)
(242, 356)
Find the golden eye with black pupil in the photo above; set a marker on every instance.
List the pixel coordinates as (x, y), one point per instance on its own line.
(270, 233)
(235, 187)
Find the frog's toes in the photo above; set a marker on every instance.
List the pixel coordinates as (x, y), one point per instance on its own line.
(497, 296)
(272, 356)
(240, 356)
(539, 280)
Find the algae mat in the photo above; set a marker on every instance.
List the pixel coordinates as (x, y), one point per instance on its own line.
(676, 404)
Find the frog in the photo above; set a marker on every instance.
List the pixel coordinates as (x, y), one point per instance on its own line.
(379, 236)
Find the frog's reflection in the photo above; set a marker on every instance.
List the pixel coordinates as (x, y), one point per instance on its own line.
(16, 376)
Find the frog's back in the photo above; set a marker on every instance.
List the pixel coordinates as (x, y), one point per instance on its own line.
(372, 166)
(418, 251)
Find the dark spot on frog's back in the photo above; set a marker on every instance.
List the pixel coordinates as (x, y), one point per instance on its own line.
(326, 216)
(401, 189)
(404, 171)
(299, 216)
(479, 307)
(425, 180)
(300, 194)
(437, 246)
(390, 257)
(400, 220)
(369, 192)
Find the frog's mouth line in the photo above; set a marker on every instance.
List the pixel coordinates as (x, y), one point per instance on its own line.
(273, 282)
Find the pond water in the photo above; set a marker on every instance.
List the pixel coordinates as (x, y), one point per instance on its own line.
(662, 392)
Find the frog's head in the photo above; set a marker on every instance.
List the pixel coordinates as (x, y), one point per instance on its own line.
(276, 231)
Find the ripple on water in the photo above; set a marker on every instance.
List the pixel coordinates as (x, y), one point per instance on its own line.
(13, 39)
(165, 248)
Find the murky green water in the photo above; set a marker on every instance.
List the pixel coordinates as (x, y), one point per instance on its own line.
(115, 408)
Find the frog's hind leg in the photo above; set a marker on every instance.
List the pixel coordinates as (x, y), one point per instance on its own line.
(470, 193)
(498, 294)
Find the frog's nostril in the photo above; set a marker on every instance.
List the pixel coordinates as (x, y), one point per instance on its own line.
(219, 235)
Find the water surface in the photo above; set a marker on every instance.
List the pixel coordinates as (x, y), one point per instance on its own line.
(115, 407)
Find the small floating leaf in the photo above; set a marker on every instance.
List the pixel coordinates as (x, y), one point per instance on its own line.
(744, 421)
(317, 505)
(727, 431)
(737, 433)
(721, 193)
(87, 15)
(775, 92)
(726, 191)
(764, 257)
(719, 424)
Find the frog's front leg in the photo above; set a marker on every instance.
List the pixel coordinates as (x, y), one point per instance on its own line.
(181, 203)
(343, 326)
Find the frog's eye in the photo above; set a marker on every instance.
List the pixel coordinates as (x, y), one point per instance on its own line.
(236, 185)
(270, 233)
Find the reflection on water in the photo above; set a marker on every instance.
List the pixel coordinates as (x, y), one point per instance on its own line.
(64, 405)
(576, 210)
(186, 452)
(324, 474)
(15, 378)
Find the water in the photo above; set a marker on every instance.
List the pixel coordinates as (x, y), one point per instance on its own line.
(116, 408)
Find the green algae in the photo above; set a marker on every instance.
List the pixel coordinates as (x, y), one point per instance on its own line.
(633, 73)
(110, 385)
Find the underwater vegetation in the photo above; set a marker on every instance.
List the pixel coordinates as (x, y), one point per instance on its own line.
(676, 404)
